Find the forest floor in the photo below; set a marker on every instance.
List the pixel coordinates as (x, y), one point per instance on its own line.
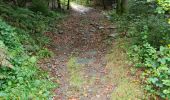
(88, 63)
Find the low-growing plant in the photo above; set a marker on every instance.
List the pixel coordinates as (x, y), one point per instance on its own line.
(30, 25)
(142, 13)
(157, 71)
(20, 77)
(22, 43)
(41, 6)
(150, 50)
(156, 63)
(45, 53)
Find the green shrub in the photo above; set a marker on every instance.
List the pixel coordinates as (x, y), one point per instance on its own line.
(23, 80)
(142, 13)
(158, 30)
(157, 71)
(21, 36)
(150, 36)
(30, 25)
(40, 5)
(156, 63)
(45, 53)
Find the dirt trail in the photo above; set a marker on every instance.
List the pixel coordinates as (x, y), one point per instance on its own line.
(81, 65)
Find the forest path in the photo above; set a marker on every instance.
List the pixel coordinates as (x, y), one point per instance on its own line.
(82, 65)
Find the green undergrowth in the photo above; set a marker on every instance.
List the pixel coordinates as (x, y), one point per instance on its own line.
(127, 86)
(22, 44)
(149, 49)
(20, 77)
(30, 25)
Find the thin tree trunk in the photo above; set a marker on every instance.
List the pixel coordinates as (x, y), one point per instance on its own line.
(119, 7)
(124, 6)
(15, 2)
(104, 6)
(87, 2)
(59, 4)
(53, 4)
(22, 3)
(68, 5)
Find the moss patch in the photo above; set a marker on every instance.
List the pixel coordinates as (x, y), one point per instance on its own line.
(76, 79)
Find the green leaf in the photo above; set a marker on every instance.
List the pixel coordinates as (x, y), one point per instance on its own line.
(2, 94)
(9, 83)
(153, 80)
(162, 60)
(33, 59)
(166, 82)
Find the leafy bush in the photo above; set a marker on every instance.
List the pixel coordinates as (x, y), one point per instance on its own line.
(40, 5)
(157, 71)
(30, 25)
(150, 50)
(45, 53)
(21, 36)
(142, 13)
(23, 80)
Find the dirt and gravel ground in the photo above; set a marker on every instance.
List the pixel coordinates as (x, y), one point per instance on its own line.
(83, 65)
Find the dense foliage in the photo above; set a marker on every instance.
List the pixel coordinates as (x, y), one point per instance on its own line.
(146, 24)
(19, 77)
(22, 43)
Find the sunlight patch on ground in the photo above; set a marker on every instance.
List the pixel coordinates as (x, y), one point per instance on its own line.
(79, 8)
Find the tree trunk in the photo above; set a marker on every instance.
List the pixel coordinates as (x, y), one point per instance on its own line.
(53, 4)
(87, 2)
(118, 7)
(59, 4)
(122, 7)
(15, 2)
(68, 5)
(104, 6)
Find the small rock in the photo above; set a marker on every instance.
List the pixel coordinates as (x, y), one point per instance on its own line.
(49, 65)
(60, 32)
(89, 90)
(92, 30)
(85, 94)
(113, 35)
(59, 75)
(84, 38)
(81, 30)
(108, 17)
(98, 96)
(101, 27)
